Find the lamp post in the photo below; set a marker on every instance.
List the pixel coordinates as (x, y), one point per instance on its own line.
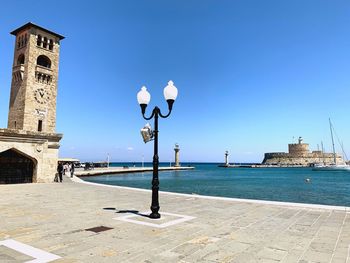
(143, 98)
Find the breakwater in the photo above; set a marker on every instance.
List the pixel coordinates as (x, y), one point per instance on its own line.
(121, 170)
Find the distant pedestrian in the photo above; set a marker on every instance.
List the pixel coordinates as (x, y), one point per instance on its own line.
(64, 168)
(72, 170)
(60, 172)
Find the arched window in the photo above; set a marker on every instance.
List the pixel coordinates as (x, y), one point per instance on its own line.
(51, 44)
(45, 42)
(43, 61)
(38, 41)
(20, 60)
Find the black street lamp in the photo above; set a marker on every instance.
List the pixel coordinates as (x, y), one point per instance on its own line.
(143, 98)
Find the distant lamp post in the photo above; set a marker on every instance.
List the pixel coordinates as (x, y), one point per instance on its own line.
(143, 98)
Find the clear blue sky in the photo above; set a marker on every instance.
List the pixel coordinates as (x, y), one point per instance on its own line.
(251, 74)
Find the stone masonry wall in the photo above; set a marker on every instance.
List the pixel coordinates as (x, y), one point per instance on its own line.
(305, 159)
(42, 149)
(298, 148)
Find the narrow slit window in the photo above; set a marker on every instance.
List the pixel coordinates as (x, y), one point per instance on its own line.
(38, 41)
(45, 42)
(40, 125)
(51, 44)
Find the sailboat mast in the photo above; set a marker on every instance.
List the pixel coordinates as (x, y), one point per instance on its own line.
(322, 152)
(331, 128)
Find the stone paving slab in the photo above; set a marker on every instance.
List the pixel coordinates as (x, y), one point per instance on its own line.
(54, 218)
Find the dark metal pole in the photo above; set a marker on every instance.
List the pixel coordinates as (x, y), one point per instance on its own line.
(155, 179)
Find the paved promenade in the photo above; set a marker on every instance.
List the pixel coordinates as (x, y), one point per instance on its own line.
(57, 223)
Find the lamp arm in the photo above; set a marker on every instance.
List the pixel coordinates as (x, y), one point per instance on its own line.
(164, 116)
(152, 115)
(170, 107)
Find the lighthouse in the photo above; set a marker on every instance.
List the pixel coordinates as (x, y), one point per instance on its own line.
(177, 155)
(226, 159)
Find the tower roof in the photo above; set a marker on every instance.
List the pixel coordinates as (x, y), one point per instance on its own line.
(30, 24)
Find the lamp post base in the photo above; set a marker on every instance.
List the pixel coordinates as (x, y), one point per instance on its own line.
(154, 215)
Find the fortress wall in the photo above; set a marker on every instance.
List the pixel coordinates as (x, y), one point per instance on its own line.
(300, 159)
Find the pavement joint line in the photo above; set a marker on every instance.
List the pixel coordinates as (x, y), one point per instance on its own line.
(183, 218)
(40, 256)
(288, 226)
(336, 243)
(314, 237)
(253, 201)
(348, 257)
(315, 220)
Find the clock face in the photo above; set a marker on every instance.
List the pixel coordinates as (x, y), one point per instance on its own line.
(41, 96)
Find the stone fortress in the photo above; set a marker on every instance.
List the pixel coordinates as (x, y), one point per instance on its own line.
(299, 155)
(29, 146)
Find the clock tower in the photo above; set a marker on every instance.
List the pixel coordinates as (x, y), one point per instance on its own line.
(29, 146)
(34, 79)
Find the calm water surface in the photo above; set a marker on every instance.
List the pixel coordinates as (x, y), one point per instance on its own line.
(276, 184)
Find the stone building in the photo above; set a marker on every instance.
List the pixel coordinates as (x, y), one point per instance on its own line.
(299, 154)
(29, 146)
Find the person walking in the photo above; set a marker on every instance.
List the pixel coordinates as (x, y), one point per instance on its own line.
(60, 172)
(72, 170)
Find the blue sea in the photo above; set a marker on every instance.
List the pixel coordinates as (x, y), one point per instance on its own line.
(274, 184)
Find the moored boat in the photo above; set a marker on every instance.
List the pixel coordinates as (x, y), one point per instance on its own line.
(334, 166)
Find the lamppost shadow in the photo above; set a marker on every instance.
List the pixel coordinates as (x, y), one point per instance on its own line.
(136, 212)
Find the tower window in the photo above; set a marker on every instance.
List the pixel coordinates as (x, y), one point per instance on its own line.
(45, 42)
(40, 125)
(51, 44)
(20, 60)
(43, 61)
(38, 41)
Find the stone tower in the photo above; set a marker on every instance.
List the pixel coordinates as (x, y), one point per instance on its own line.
(298, 149)
(226, 158)
(34, 79)
(177, 155)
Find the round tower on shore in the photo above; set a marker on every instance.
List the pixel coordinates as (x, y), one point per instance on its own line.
(298, 149)
(226, 158)
(177, 155)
